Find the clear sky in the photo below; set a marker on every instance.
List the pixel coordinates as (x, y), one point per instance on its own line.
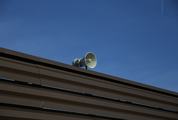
(133, 39)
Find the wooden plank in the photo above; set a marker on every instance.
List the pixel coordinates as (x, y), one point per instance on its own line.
(26, 113)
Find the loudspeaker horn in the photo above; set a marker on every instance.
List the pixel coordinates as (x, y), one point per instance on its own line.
(88, 61)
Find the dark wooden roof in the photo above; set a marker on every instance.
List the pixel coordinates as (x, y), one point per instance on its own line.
(33, 88)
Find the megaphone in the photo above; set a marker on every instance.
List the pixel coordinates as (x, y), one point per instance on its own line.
(88, 61)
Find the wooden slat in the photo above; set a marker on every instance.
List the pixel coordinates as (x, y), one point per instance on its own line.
(9, 112)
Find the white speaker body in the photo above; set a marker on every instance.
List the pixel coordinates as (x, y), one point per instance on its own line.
(89, 60)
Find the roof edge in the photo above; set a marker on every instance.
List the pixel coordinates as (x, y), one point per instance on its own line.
(38, 60)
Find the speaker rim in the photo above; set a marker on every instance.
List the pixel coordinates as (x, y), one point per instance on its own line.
(95, 60)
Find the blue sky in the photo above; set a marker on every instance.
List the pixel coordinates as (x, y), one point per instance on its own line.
(133, 39)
